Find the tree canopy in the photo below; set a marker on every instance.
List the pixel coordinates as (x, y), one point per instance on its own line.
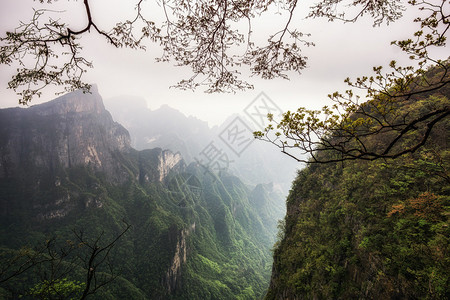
(204, 36)
(346, 127)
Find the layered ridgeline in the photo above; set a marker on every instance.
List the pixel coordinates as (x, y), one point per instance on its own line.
(371, 229)
(69, 184)
(168, 128)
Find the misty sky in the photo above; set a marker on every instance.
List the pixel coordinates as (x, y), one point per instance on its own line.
(341, 51)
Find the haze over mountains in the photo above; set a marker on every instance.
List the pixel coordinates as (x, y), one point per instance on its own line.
(71, 181)
(168, 128)
(67, 167)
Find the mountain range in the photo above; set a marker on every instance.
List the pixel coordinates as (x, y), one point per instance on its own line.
(85, 213)
(70, 182)
(168, 128)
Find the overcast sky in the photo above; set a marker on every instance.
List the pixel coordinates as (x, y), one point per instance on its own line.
(341, 51)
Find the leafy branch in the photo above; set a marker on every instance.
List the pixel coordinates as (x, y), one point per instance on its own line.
(50, 53)
(345, 129)
(54, 263)
(205, 36)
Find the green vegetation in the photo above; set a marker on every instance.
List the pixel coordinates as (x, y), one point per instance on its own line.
(60, 288)
(371, 229)
(201, 241)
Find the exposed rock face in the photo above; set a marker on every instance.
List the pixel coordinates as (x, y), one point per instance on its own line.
(167, 161)
(72, 130)
(155, 164)
(172, 278)
(173, 274)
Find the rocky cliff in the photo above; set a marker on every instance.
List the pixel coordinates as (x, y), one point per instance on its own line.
(155, 164)
(72, 130)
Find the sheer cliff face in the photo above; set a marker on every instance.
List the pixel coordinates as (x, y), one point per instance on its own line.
(38, 144)
(72, 130)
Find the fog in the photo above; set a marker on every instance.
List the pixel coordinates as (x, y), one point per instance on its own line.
(341, 51)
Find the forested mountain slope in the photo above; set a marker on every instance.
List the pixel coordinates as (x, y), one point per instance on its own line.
(371, 229)
(69, 180)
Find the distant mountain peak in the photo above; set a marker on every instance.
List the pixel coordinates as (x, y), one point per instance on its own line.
(73, 102)
(165, 108)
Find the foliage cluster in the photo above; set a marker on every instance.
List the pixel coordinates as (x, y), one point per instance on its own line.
(371, 229)
(226, 243)
(204, 36)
